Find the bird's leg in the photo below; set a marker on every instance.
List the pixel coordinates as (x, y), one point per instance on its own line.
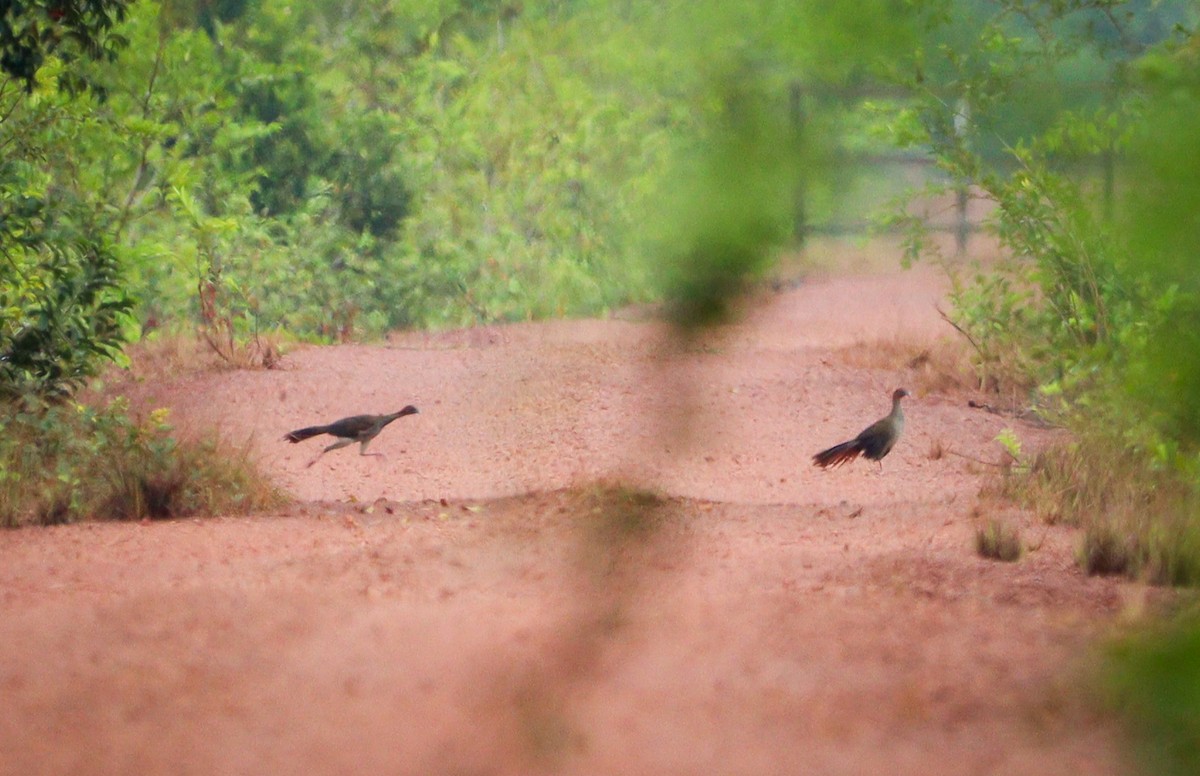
(336, 445)
(333, 446)
(363, 449)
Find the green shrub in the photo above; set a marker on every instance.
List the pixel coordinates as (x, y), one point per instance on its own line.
(1152, 681)
(65, 462)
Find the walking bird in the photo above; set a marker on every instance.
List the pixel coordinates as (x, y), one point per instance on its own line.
(356, 428)
(875, 441)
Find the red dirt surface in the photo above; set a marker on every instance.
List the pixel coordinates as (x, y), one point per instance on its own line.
(476, 602)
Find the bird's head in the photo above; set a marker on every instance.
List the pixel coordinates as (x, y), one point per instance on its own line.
(900, 393)
(409, 410)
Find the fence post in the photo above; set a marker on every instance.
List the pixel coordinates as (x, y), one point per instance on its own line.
(962, 227)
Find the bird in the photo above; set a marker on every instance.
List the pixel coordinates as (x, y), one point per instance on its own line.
(356, 428)
(875, 441)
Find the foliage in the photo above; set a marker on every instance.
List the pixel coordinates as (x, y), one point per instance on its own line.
(61, 297)
(1090, 314)
(1010, 442)
(61, 292)
(1162, 202)
(1011, 104)
(772, 80)
(336, 174)
(1154, 685)
(32, 30)
(260, 166)
(60, 318)
(532, 157)
(64, 462)
(447, 163)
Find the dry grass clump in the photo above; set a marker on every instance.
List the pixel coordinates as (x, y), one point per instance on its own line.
(940, 367)
(167, 356)
(998, 540)
(1107, 549)
(1138, 519)
(96, 458)
(62, 463)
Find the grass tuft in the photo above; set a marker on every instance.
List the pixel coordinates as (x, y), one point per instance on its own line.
(1106, 550)
(998, 540)
(1138, 518)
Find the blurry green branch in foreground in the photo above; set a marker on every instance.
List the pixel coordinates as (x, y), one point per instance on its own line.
(762, 147)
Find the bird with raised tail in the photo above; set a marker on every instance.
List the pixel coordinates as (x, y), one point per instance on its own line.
(875, 441)
(356, 428)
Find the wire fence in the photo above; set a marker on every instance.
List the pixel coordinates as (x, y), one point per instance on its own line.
(873, 185)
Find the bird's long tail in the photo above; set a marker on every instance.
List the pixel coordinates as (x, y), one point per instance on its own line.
(838, 454)
(300, 434)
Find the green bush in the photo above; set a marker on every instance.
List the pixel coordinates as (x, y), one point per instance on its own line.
(1153, 684)
(1089, 314)
(63, 306)
(64, 462)
(61, 313)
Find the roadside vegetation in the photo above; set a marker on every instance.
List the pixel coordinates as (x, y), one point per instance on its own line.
(258, 171)
(1072, 122)
(1065, 118)
(62, 462)
(998, 540)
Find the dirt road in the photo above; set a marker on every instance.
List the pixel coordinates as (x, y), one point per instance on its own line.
(472, 603)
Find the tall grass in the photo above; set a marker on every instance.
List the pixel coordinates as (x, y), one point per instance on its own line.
(1138, 518)
(65, 462)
